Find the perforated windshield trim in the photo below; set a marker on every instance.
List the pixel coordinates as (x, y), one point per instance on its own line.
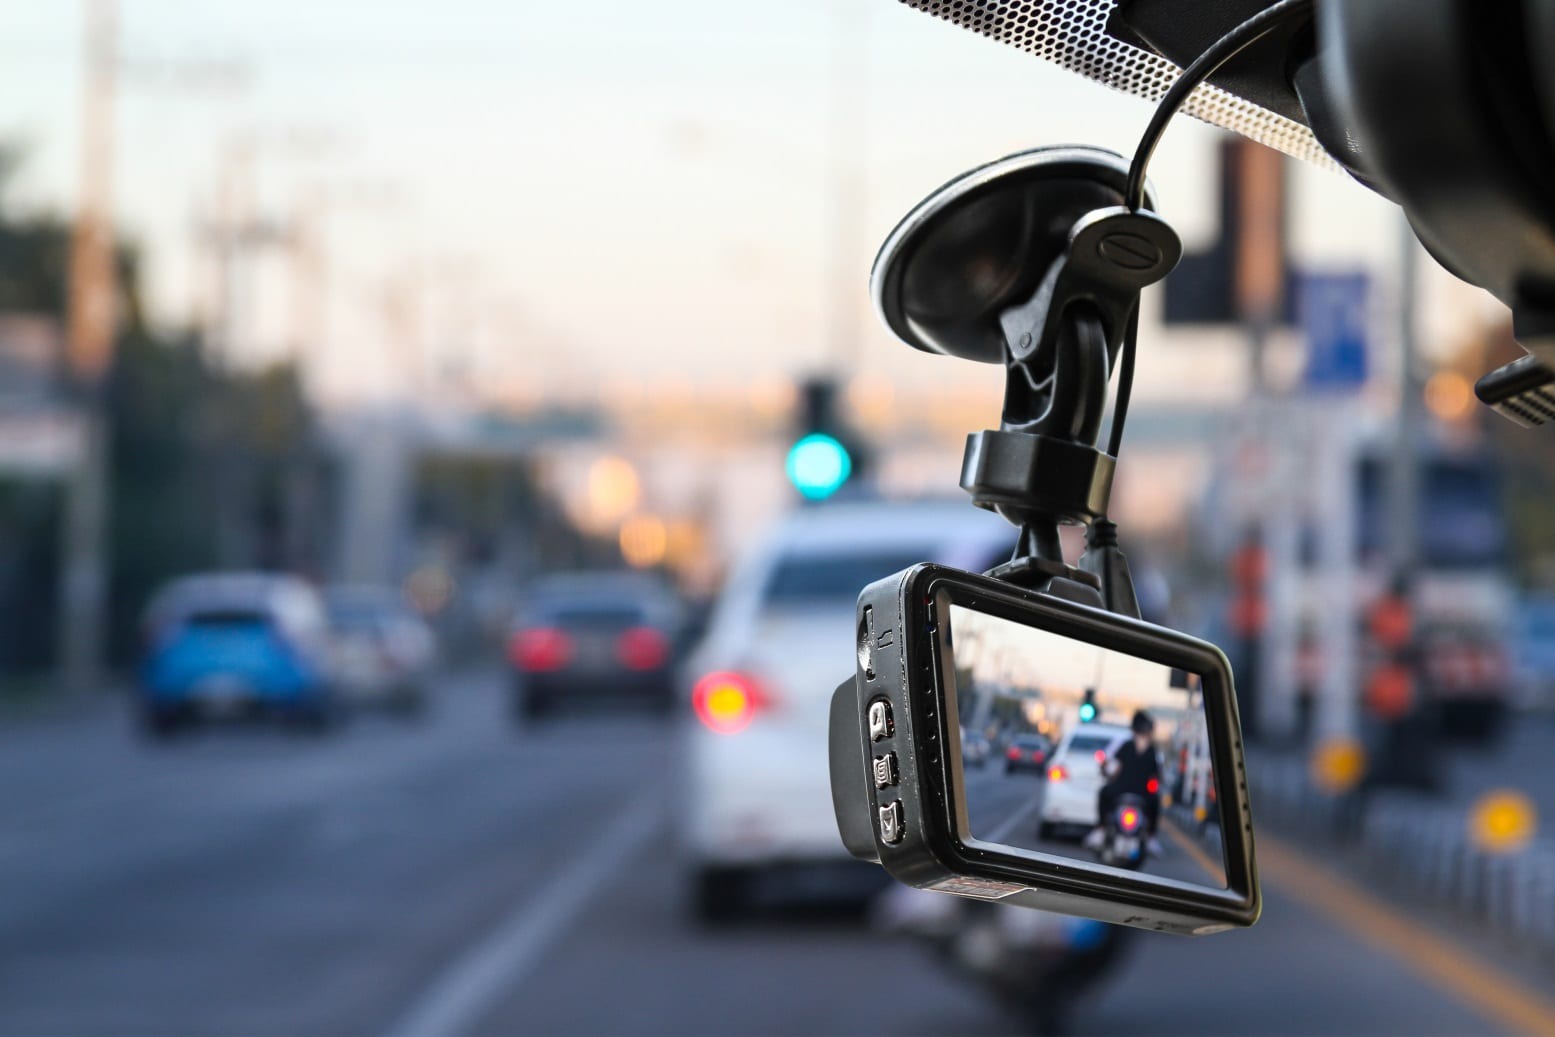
(1073, 35)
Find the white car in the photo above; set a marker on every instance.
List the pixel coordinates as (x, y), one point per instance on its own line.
(383, 651)
(1074, 776)
(779, 641)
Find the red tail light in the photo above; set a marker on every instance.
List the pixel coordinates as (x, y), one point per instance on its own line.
(1012, 753)
(1128, 820)
(1058, 773)
(1152, 786)
(642, 648)
(727, 702)
(1101, 756)
(540, 649)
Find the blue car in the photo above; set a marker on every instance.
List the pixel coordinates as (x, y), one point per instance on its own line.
(232, 645)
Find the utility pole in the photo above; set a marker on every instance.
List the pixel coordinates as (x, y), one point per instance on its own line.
(1406, 754)
(91, 321)
(1256, 202)
(90, 327)
(845, 158)
(309, 300)
(237, 237)
(308, 333)
(1404, 469)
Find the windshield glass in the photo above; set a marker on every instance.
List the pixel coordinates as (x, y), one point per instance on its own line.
(226, 618)
(1089, 743)
(802, 578)
(591, 614)
(443, 443)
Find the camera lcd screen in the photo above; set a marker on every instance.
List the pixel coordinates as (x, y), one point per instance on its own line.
(1083, 752)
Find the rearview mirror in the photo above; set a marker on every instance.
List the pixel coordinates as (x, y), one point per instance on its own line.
(987, 747)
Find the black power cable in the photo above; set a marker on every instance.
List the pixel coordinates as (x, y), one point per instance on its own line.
(1204, 66)
(1125, 385)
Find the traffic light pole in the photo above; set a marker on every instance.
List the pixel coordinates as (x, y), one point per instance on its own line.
(1404, 469)
(1406, 746)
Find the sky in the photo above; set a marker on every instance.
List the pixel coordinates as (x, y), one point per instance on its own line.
(997, 650)
(558, 194)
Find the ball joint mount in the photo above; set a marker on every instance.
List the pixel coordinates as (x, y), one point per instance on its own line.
(1035, 262)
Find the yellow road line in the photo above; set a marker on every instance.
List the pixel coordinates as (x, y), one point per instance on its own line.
(1194, 850)
(1473, 982)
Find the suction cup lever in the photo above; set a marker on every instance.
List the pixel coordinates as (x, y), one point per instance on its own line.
(1035, 262)
(1112, 255)
(1061, 344)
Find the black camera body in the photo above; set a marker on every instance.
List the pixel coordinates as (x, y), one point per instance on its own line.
(900, 784)
(1118, 791)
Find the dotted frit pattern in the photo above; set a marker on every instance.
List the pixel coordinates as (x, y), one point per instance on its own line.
(1073, 35)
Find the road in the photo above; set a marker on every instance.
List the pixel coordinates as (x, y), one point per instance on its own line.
(461, 876)
(1521, 760)
(1004, 808)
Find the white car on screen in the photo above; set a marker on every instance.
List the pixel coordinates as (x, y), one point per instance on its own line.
(1074, 776)
(779, 641)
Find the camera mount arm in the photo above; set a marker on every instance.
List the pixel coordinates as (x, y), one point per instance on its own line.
(1036, 262)
(1042, 468)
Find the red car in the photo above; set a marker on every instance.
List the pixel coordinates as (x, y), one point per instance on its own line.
(584, 638)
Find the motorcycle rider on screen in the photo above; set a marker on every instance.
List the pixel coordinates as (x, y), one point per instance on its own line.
(1134, 769)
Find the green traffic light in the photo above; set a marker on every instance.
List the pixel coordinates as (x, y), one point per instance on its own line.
(1087, 712)
(818, 465)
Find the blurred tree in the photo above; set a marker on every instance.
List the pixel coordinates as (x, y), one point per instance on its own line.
(33, 255)
(30, 516)
(207, 467)
(161, 505)
(211, 469)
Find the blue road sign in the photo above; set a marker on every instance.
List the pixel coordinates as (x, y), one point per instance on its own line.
(1333, 311)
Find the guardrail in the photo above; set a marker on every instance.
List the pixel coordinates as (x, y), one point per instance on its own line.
(1419, 846)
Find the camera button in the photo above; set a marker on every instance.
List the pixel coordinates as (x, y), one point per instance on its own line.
(891, 826)
(880, 723)
(885, 771)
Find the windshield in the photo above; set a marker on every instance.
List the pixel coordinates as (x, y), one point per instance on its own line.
(443, 443)
(1090, 743)
(220, 618)
(591, 614)
(809, 578)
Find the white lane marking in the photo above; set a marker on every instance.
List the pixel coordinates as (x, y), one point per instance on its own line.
(1014, 820)
(463, 992)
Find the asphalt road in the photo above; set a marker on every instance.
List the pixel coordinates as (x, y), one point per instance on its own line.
(1522, 760)
(1005, 808)
(460, 876)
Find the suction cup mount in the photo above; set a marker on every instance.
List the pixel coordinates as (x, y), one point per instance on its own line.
(1035, 262)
